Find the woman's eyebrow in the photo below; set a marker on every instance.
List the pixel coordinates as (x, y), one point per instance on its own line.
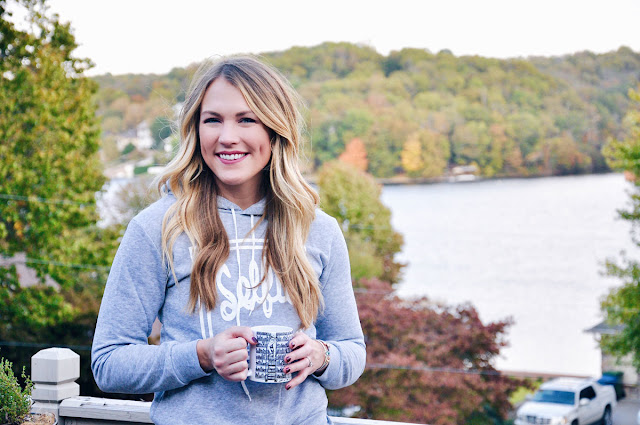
(210, 113)
(248, 112)
(239, 114)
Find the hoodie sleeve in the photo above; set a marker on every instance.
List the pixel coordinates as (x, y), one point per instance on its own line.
(339, 324)
(121, 359)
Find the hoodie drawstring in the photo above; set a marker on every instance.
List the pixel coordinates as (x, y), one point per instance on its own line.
(235, 225)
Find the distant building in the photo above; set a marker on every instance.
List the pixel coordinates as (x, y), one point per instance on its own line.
(609, 363)
(155, 170)
(125, 139)
(463, 173)
(140, 137)
(121, 171)
(145, 162)
(143, 136)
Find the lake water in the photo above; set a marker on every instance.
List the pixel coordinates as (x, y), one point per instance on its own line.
(529, 249)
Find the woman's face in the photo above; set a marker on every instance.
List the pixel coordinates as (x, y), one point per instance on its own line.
(234, 143)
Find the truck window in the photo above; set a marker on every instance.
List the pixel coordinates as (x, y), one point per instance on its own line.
(588, 393)
(552, 396)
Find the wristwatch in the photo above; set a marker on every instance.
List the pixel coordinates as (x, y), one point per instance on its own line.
(327, 358)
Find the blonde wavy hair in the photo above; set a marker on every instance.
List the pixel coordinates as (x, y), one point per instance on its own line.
(291, 202)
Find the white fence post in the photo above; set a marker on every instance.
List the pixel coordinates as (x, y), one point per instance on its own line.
(53, 372)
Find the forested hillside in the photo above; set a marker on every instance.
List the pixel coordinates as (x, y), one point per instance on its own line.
(418, 114)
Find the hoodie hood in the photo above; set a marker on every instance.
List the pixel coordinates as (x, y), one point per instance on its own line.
(225, 206)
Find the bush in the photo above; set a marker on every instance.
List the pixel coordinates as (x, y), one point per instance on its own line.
(353, 198)
(15, 402)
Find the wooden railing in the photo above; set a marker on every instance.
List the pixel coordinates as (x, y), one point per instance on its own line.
(54, 372)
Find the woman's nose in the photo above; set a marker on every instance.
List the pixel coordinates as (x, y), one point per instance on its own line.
(228, 134)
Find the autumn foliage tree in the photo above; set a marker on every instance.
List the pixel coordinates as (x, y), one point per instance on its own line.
(355, 153)
(427, 363)
(425, 154)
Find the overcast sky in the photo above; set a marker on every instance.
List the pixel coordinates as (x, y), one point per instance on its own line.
(143, 36)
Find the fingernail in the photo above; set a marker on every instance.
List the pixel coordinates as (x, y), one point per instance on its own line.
(288, 387)
(254, 339)
(286, 370)
(293, 346)
(287, 359)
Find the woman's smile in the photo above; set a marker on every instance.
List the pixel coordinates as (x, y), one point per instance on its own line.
(231, 157)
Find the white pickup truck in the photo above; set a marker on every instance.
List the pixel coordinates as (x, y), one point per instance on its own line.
(569, 401)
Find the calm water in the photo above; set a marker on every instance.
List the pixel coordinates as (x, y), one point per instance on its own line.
(529, 249)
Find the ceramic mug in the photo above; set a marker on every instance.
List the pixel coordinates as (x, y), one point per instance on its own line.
(266, 359)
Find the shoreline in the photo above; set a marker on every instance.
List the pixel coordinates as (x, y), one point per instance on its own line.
(402, 180)
(408, 181)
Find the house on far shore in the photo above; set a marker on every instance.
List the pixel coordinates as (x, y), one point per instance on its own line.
(120, 171)
(631, 375)
(140, 137)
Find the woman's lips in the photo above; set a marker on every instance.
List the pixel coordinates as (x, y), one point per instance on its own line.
(231, 157)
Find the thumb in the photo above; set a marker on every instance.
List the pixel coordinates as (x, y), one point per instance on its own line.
(243, 332)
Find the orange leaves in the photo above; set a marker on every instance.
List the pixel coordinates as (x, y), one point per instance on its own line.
(355, 154)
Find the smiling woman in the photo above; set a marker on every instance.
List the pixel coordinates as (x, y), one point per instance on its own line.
(234, 143)
(235, 244)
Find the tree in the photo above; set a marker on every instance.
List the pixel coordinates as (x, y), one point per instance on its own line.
(331, 136)
(352, 197)
(622, 306)
(130, 199)
(427, 363)
(411, 156)
(161, 128)
(564, 156)
(355, 154)
(49, 175)
(425, 154)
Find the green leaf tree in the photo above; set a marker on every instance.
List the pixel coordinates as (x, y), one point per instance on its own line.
(49, 175)
(622, 305)
(353, 198)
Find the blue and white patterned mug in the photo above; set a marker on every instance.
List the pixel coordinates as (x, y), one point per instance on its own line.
(266, 359)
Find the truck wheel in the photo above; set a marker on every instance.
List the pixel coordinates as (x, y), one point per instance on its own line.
(606, 416)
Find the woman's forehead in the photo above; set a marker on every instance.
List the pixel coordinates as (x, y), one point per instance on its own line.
(222, 96)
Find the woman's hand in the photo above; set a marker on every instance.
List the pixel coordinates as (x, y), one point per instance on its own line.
(307, 355)
(227, 353)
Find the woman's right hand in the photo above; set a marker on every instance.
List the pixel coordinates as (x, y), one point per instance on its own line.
(227, 353)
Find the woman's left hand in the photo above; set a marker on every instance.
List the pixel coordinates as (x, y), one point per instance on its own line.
(307, 355)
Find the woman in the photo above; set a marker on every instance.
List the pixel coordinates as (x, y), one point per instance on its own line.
(236, 241)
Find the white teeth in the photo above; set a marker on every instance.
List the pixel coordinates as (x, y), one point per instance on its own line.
(232, 156)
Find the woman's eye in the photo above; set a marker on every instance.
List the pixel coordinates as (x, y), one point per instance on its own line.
(247, 120)
(209, 120)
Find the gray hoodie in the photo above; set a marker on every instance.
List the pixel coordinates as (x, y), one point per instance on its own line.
(141, 287)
